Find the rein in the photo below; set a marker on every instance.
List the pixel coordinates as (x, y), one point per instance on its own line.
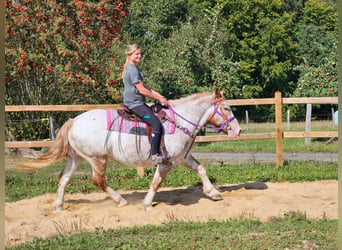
(216, 111)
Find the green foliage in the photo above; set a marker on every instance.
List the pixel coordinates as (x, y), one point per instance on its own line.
(316, 45)
(320, 13)
(63, 52)
(72, 52)
(317, 39)
(262, 40)
(317, 81)
(193, 60)
(154, 21)
(59, 53)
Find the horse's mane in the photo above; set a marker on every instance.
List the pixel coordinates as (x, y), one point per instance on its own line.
(190, 98)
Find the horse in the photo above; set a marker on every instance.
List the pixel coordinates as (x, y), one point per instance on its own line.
(86, 138)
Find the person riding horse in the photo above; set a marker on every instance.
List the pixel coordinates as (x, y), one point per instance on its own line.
(134, 98)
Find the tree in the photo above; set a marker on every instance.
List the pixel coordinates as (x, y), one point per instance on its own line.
(192, 59)
(317, 39)
(316, 45)
(317, 81)
(153, 21)
(261, 38)
(320, 13)
(59, 52)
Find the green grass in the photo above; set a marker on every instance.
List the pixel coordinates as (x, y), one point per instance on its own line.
(269, 145)
(263, 127)
(293, 231)
(20, 184)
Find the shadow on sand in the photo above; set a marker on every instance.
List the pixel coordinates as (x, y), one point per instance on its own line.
(178, 196)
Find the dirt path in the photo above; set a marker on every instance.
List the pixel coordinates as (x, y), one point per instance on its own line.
(243, 157)
(85, 212)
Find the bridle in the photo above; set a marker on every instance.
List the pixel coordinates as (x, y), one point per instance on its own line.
(217, 110)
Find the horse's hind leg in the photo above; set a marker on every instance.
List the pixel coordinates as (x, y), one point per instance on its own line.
(73, 163)
(208, 187)
(160, 174)
(99, 165)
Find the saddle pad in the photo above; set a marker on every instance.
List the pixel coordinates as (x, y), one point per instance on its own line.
(117, 123)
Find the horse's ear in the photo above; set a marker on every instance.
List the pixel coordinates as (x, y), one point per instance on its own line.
(218, 93)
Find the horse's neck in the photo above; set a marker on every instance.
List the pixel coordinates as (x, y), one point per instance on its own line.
(196, 110)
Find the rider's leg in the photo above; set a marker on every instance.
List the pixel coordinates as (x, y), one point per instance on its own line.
(145, 113)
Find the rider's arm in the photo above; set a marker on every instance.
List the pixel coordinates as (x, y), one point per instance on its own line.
(150, 93)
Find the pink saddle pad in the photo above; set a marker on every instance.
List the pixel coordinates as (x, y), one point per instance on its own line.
(117, 123)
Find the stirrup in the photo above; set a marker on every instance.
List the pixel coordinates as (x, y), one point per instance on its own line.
(157, 159)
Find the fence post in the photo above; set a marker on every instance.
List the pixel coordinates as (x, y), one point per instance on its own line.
(279, 129)
(247, 120)
(140, 171)
(288, 119)
(52, 128)
(308, 122)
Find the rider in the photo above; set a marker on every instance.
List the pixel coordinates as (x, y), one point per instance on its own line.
(134, 98)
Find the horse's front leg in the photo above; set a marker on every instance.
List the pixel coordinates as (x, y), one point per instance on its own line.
(160, 174)
(208, 187)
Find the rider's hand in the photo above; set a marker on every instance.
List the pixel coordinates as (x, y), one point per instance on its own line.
(163, 101)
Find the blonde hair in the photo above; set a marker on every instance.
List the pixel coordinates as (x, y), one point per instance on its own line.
(130, 50)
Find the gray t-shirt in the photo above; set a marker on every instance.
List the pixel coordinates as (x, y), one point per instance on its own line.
(131, 96)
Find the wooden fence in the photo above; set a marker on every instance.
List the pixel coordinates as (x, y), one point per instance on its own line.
(278, 134)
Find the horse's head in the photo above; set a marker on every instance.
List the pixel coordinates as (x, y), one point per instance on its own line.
(223, 117)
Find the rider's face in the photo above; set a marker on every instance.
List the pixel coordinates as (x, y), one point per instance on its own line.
(135, 57)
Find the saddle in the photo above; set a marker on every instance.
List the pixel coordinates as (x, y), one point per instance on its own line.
(127, 114)
(157, 108)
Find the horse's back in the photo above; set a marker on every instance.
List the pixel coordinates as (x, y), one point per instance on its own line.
(89, 130)
(92, 120)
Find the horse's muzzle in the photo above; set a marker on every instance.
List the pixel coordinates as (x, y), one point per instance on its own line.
(233, 129)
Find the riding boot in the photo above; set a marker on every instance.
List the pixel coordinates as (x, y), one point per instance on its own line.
(157, 159)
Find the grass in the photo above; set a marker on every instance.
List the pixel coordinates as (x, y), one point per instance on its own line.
(254, 127)
(293, 231)
(269, 145)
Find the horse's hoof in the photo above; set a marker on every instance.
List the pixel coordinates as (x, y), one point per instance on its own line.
(217, 197)
(122, 203)
(57, 209)
(148, 208)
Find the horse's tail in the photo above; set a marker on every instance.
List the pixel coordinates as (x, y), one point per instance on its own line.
(56, 153)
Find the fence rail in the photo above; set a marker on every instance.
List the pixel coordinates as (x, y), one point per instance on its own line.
(278, 101)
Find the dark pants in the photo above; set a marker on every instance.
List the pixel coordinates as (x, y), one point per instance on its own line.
(145, 113)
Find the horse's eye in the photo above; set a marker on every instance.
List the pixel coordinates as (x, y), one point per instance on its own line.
(227, 109)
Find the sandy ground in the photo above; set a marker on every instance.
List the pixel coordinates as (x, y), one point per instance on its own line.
(85, 212)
